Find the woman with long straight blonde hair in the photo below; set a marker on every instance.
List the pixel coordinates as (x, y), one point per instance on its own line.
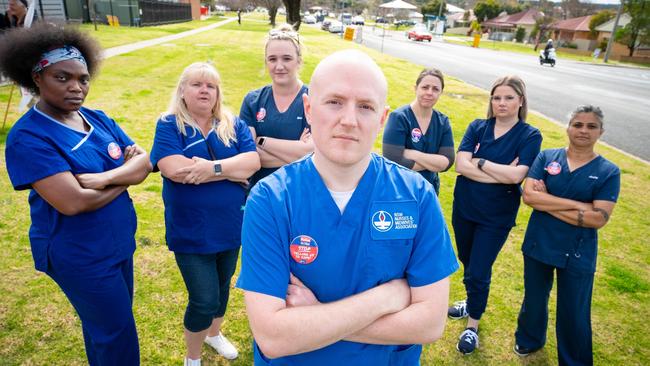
(205, 156)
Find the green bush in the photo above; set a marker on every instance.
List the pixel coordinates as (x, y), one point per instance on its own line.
(521, 33)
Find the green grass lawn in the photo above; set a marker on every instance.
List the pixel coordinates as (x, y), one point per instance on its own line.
(39, 327)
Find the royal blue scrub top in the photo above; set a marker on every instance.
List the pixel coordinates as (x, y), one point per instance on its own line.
(494, 204)
(259, 111)
(392, 227)
(404, 130)
(553, 241)
(204, 218)
(38, 146)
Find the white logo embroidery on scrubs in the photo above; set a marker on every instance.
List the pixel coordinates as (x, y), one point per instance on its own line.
(382, 221)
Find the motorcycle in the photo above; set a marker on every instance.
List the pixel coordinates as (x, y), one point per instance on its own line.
(550, 59)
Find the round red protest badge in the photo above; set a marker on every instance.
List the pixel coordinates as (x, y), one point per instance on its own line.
(554, 168)
(114, 151)
(303, 249)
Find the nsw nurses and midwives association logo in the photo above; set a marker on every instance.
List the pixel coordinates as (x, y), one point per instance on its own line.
(382, 221)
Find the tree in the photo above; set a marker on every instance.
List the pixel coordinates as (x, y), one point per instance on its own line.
(599, 18)
(487, 9)
(293, 12)
(636, 32)
(433, 7)
(272, 6)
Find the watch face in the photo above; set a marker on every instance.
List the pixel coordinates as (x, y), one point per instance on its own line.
(217, 168)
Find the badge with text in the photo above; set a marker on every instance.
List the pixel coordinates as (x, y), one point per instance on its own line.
(303, 249)
(416, 135)
(393, 220)
(260, 115)
(114, 151)
(554, 168)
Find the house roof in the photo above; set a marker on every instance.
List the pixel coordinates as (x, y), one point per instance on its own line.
(573, 24)
(526, 17)
(454, 9)
(608, 26)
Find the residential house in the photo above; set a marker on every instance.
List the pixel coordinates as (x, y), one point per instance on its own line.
(574, 31)
(503, 27)
(618, 49)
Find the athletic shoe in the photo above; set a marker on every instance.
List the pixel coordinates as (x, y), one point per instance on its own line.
(223, 346)
(458, 310)
(190, 362)
(522, 351)
(468, 341)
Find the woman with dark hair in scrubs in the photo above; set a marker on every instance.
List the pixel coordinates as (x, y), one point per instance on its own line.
(205, 155)
(275, 113)
(573, 192)
(78, 164)
(493, 159)
(419, 137)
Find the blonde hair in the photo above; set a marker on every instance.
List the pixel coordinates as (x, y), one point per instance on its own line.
(285, 32)
(518, 85)
(225, 125)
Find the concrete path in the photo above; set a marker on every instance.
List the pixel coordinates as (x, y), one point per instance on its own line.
(119, 50)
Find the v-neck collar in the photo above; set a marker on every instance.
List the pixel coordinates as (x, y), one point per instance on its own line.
(86, 134)
(415, 118)
(298, 95)
(568, 167)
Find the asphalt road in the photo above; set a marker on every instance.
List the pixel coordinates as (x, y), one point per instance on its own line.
(623, 93)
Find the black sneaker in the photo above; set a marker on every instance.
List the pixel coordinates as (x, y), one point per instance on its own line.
(468, 341)
(458, 310)
(522, 351)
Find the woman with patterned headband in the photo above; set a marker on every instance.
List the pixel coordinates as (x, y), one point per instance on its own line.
(78, 164)
(275, 113)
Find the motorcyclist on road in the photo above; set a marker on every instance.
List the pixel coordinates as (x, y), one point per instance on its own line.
(547, 49)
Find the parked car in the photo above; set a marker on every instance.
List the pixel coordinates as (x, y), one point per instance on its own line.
(325, 25)
(309, 19)
(381, 20)
(404, 23)
(419, 33)
(336, 27)
(358, 20)
(345, 18)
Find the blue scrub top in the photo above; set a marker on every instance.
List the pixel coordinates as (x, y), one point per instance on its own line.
(259, 111)
(392, 227)
(204, 218)
(404, 130)
(494, 204)
(38, 146)
(553, 241)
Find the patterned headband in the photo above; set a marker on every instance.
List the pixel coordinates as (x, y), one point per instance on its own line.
(64, 53)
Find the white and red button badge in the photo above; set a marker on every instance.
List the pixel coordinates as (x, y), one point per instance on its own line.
(554, 168)
(416, 135)
(303, 249)
(114, 151)
(260, 114)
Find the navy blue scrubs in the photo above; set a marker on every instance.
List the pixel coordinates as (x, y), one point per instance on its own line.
(551, 245)
(403, 130)
(484, 213)
(89, 255)
(259, 111)
(392, 227)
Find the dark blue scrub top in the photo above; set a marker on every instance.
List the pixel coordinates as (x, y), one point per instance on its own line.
(552, 241)
(392, 227)
(259, 111)
(494, 204)
(38, 147)
(204, 218)
(404, 130)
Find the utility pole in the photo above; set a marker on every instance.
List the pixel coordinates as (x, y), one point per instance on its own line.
(610, 42)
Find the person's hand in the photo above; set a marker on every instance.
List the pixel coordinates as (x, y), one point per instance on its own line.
(93, 180)
(398, 295)
(131, 151)
(515, 162)
(539, 186)
(306, 135)
(199, 172)
(298, 294)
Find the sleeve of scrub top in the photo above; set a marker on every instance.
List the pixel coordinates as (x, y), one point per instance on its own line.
(537, 170)
(265, 257)
(394, 140)
(529, 150)
(245, 141)
(612, 186)
(432, 258)
(166, 142)
(447, 139)
(31, 159)
(123, 139)
(470, 139)
(246, 113)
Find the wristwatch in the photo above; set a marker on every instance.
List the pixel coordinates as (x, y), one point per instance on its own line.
(260, 141)
(217, 169)
(481, 162)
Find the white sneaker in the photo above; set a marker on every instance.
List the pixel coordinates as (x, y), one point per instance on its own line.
(190, 362)
(223, 346)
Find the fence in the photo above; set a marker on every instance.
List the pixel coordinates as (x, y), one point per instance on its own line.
(154, 12)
